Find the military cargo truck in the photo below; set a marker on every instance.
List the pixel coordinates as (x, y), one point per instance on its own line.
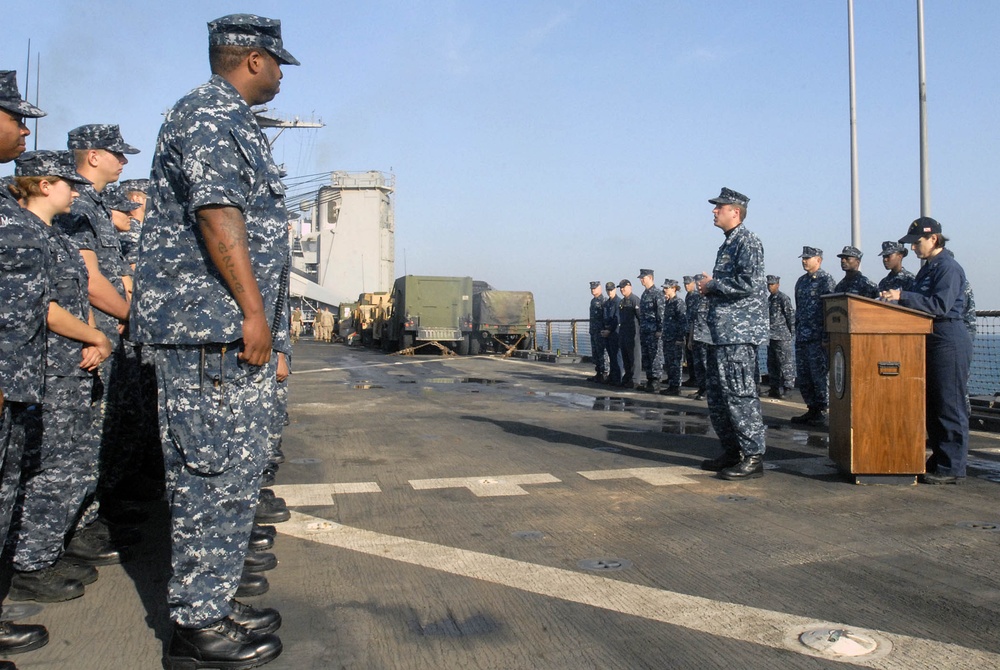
(501, 320)
(430, 309)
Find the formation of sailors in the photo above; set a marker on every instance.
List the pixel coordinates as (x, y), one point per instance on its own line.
(95, 420)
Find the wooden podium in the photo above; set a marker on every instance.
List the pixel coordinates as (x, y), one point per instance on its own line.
(877, 374)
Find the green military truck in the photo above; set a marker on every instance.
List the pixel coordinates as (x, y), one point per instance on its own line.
(429, 309)
(502, 320)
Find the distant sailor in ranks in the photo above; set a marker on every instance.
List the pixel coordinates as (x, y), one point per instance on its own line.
(628, 324)
(737, 325)
(780, 353)
(598, 348)
(675, 328)
(853, 281)
(811, 364)
(651, 306)
(610, 333)
(693, 303)
(899, 277)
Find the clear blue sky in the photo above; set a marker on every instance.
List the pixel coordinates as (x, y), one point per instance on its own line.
(539, 145)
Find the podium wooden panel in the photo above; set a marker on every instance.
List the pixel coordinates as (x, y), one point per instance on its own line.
(877, 375)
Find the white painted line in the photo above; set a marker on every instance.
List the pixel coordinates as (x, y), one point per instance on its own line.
(668, 476)
(736, 622)
(364, 367)
(297, 495)
(486, 486)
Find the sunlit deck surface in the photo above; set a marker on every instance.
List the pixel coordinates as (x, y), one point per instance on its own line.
(500, 513)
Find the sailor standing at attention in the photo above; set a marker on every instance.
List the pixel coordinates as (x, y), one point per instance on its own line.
(737, 324)
(207, 294)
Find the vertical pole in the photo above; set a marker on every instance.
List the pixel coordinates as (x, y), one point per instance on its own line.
(925, 177)
(855, 199)
(38, 72)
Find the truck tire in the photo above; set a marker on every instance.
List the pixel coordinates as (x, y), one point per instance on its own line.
(475, 346)
(528, 342)
(405, 340)
(464, 345)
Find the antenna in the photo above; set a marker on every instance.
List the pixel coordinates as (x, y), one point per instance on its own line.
(38, 79)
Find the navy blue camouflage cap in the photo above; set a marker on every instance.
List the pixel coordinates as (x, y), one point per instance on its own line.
(773, 279)
(11, 100)
(730, 197)
(670, 283)
(889, 248)
(623, 283)
(811, 252)
(134, 185)
(925, 225)
(114, 198)
(105, 136)
(688, 279)
(595, 284)
(850, 252)
(610, 286)
(250, 30)
(49, 164)
(699, 276)
(643, 272)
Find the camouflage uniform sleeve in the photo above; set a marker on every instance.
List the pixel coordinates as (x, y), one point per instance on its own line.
(77, 227)
(216, 167)
(661, 310)
(748, 256)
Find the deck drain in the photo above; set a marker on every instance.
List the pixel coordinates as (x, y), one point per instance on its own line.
(988, 526)
(733, 498)
(528, 534)
(305, 461)
(367, 387)
(604, 564)
(610, 450)
(838, 644)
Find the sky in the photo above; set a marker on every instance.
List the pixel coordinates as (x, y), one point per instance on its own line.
(541, 145)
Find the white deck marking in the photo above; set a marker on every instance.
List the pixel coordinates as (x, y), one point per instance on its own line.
(486, 486)
(667, 476)
(722, 619)
(297, 495)
(365, 366)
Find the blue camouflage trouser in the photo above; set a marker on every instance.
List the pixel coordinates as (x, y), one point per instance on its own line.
(598, 351)
(699, 364)
(813, 370)
(733, 404)
(215, 413)
(277, 420)
(626, 347)
(652, 354)
(60, 469)
(11, 449)
(615, 356)
(673, 356)
(781, 364)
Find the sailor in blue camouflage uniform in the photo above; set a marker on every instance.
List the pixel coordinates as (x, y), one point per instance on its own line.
(207, 301)
(100, 155)
(780, 352)
(737, 324)
(939, 290)
(853, 281)
(899, 277)
(64, 435)
(811, 363)
(628, 322)
(23, 308)
(675, 328)
(598, 349)
(695, 306)
(651, 306)
(120, 206)
(610, 333)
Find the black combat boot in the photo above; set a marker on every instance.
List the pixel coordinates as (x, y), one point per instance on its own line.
(45, 586)
(270, 508)
(257, 621)
(224, 644)
(727, 459)
(252, 584)
(259, 540)
(259, 561)
(749, 467)
(19, 638)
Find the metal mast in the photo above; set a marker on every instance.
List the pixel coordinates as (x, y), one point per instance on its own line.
(925, 173)
(855, 204)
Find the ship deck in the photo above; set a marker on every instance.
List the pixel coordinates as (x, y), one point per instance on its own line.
(482, 512)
